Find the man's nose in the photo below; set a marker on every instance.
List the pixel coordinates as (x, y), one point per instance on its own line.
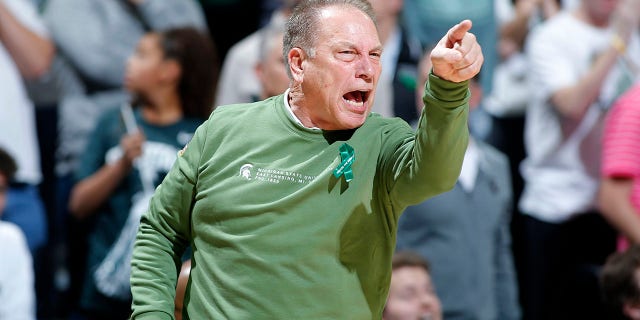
(366, 68)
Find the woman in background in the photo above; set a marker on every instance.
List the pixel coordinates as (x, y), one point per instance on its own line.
(171, 77)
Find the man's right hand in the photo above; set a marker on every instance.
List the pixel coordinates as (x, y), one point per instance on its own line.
(457, 57)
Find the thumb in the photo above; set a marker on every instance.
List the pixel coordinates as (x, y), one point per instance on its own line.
(457, 32)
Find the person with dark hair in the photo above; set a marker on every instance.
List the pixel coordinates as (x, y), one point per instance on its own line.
(17, 291)
(620, 282)
(170, 77)
(94, 39)
(195, 53)
(411, 293)
(93, 49)
(290, 204)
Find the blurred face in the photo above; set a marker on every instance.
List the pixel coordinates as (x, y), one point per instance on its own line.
(412, 296)
(600, 10)
(4, 187)
(145, 68)
(271, 71)
(338, 80)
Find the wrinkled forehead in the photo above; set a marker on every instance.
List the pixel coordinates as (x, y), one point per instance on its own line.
(346, 24)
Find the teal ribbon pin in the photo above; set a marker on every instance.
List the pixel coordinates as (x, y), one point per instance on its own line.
(348, 156)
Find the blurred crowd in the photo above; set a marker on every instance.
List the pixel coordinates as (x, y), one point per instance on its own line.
(98, 96)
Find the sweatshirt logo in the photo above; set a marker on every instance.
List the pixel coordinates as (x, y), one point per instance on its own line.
(245, 171)
(250, 172)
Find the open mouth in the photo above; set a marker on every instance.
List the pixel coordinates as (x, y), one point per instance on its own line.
(356, 98)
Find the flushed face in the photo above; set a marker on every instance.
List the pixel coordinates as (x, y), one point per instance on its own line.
(339, 76)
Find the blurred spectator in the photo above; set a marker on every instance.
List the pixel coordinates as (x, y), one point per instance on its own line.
(574, 80)
(25, 53)
(619, 196)
(504, 109)
(94, 39)
(270, 68)
(465, 233)
(395, 96)
(411, 292)
(17, 293)
(170, 77)
(508, 99)
(238, 81)
(620, 280)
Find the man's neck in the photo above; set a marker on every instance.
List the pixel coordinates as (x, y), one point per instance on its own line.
(298, 113)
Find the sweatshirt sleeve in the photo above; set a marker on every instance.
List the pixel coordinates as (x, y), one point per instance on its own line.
(164, 235)
(429, 163)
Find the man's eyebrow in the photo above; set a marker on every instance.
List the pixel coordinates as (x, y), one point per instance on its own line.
(342, 43)
(352, 45)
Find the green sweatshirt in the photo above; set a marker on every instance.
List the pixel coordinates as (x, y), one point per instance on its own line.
(274, 234)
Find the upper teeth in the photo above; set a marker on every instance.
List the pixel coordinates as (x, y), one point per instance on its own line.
(354, 103)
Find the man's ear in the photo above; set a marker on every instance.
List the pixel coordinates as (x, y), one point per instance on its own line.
(297, 58)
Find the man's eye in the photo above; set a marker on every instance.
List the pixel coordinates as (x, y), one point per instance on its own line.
(346, 55)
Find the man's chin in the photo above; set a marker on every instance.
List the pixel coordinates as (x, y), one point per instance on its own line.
(353, 125)
(355, 120)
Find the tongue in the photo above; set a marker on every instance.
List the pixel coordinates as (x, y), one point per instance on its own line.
(354, 96)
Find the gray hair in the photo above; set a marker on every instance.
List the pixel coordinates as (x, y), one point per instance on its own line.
(302, 26)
